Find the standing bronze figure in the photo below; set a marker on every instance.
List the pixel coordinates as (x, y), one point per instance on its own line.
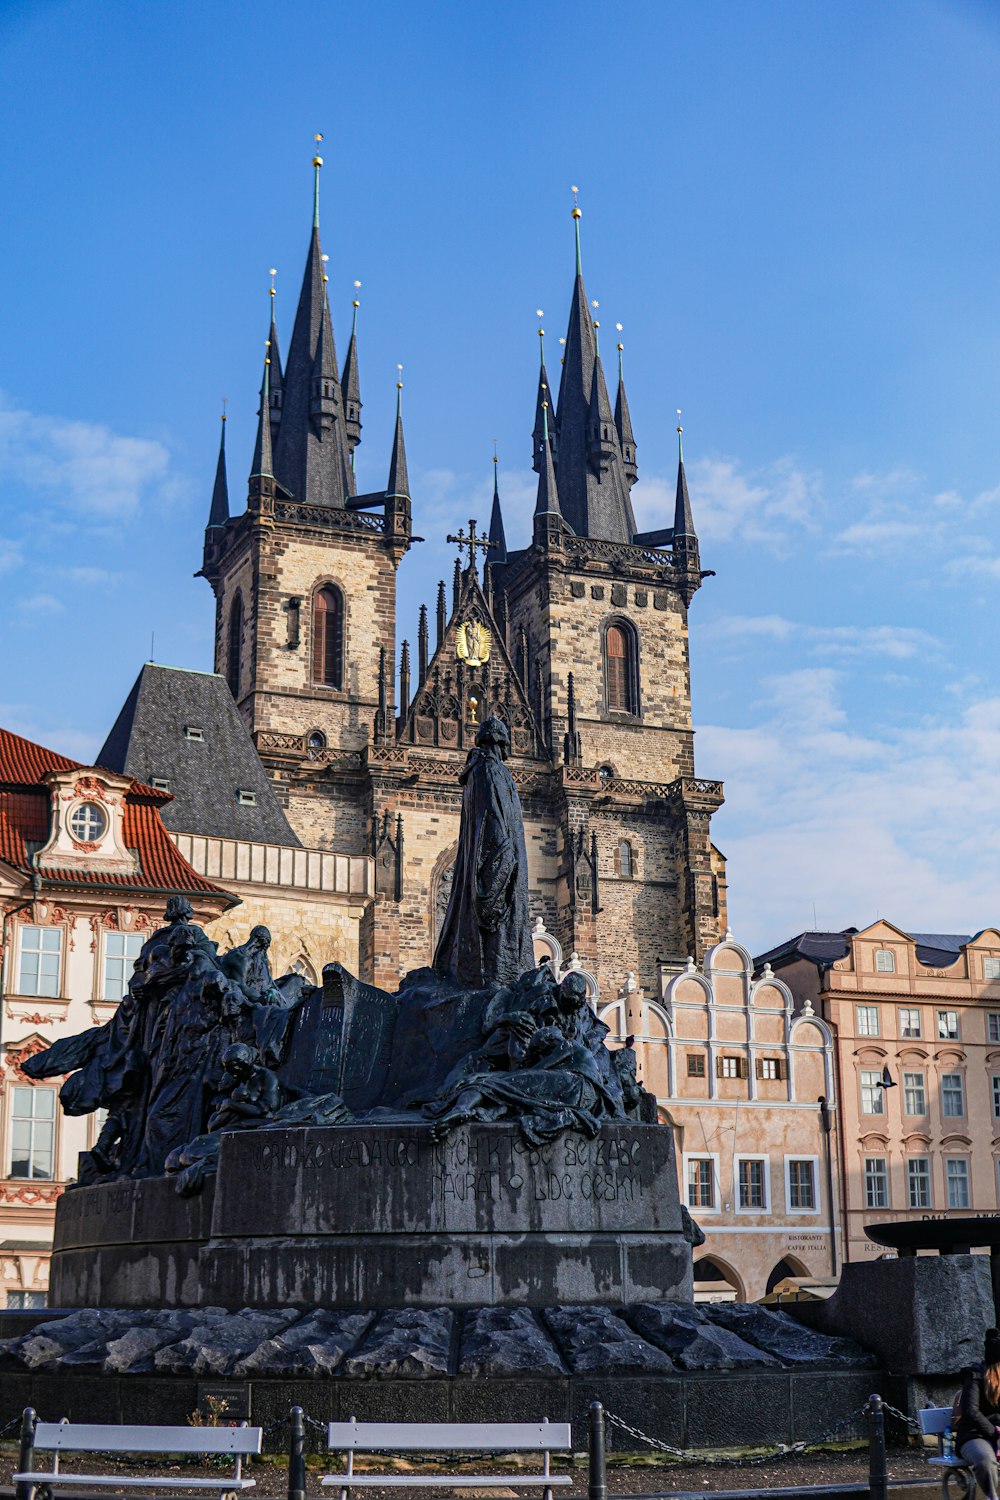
(486, 937)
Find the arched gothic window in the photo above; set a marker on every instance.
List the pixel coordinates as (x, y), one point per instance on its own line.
(625, 868)
(621, 669)
(328, 637)
(234, 658)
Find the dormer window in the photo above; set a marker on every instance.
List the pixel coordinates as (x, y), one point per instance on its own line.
(88, 823)
(160, 784)
(245, 798)
(192, 732)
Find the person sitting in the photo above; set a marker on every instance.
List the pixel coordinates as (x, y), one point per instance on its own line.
(977, 1430)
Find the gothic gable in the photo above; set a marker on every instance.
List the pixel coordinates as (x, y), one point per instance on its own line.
(470, 677)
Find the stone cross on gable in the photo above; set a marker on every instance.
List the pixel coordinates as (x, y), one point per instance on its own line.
(472, 541)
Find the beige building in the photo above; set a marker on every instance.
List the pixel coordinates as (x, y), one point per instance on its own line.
(926, 1008)
(86, 867)
(746, 1079)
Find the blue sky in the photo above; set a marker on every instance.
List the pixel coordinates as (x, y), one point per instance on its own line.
(791, 207)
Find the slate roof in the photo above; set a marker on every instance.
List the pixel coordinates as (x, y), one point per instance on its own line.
(936, 950)
(148, 740)
(25, 817)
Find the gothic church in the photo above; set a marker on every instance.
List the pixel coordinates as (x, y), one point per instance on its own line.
(578, 640)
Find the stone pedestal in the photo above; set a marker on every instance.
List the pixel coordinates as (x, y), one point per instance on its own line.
(377, 1216)
(921, 1315)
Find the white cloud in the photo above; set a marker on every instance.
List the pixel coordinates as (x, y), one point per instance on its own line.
(898, 642)
(83, 466)
(905, 823)
(11, 555)
(729, 504)
(43, 604)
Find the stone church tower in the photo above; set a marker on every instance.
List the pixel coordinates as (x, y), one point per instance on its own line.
(578, 640)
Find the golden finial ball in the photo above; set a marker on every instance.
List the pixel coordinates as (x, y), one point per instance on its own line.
(318, 136)
(621, 348)
(317, 161)
(356, 303)
(577, 213)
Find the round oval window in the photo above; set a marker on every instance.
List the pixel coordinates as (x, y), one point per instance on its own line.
(88, 822)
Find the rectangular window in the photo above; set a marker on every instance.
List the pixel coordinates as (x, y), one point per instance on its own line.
(770, 1067)
(876, 1182)
(160, 784)
(947, 1025)
(752, 1183)
(872, 1092)
(991, 966)
(996, 1096)
(192, 732)
(23, 1300)
(121, 949)
(918, 1182)
(914, 1094)
(732, 1067)
(41, 961)
(801, 1184)
(956, 1172)
(909, 1023)
(696, 1064)
(993, 1025)
(952, 1095)
(867, 1019)
(700, 1182)
(885, 961)
(33, 1133)
(245, 798)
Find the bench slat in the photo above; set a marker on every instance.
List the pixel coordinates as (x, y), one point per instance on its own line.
(538, 1437)
(63, 1480)
(445, 1481)
(87, 1437)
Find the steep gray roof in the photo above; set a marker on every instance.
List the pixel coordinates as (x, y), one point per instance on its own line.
(149, 741)
(935, 950)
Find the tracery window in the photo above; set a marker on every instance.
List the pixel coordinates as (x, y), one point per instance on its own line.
(328, 637)
(625, 865)
(620, 669)
(234, 659)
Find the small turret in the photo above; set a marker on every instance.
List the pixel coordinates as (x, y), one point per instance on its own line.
(548, 528)
(350, 385)
(602, 435)
(623, 422)
(218, 514)
(262, 466)
(544, 394)
(497, 552)
(276, 378)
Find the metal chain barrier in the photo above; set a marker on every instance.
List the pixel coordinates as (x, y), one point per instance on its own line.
(709, 1460)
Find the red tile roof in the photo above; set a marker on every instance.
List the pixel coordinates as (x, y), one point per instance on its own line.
(25, 811)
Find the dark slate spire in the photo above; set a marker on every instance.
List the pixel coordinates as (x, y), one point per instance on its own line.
(311, 454)
(602, 435)
(263, 463)
(623, 423)
(399, 483)
(350, 386)
(276, 379)
(422, 634)
(497, 552)
(593, 496)
(683, 519)
(544, 394)
(547, 501)
(219, 513)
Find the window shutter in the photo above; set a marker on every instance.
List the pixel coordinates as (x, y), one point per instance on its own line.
(780, 1069)
(741, 1067)
(760, 1068)
(718, 1067)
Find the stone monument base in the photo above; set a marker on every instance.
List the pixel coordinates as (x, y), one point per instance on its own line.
(380, 1215)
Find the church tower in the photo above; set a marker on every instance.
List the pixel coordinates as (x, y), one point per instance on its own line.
(304, 578)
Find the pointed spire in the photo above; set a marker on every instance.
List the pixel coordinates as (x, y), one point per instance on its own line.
(218, 515)
(623, 420)
(572, 754)
(350, 385)
(422, 634)
(263, 463)
(399, 482)
(683, 519)
(594, 500)
(311, 454)
(404, 680)
(276, 378)
(456, 585)
(441, 615)
(602, 435)
(498, 542)
(544, 394)
(547, 501)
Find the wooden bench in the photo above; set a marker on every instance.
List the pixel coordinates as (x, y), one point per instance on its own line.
(935, 1421)
(58, 1438)
(543, 1437)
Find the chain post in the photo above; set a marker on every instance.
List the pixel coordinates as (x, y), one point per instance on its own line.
(878, 1476)
(297, 1455)
(597, 1482)
(26, 1457)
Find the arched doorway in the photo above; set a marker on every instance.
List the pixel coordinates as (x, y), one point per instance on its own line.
(787, 1266)
(714, 1281)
